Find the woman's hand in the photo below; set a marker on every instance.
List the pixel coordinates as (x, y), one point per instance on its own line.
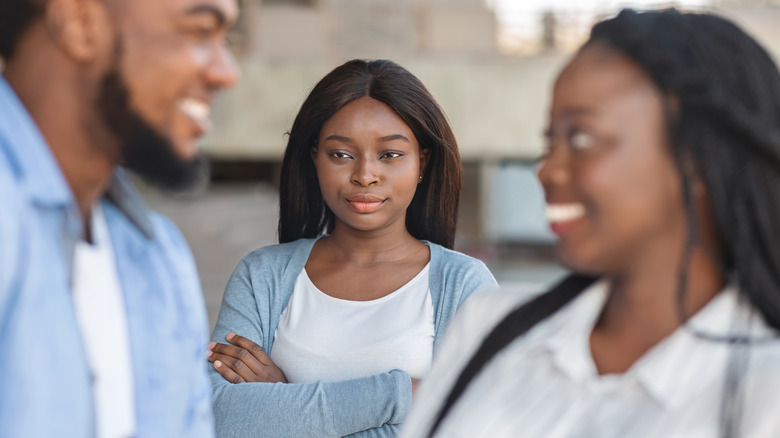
(243, 361)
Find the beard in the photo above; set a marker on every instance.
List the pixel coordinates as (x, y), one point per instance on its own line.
(143, 150)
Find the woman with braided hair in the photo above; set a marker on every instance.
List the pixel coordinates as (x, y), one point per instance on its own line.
(662, 182)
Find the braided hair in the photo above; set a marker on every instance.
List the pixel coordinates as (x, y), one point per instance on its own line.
(726, 122)
(728, 126)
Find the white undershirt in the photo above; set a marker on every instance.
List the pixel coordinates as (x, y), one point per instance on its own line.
(545, 383)
(101, 314)
(322, 338)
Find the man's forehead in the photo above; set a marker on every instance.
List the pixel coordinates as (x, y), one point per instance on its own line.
(222, 9)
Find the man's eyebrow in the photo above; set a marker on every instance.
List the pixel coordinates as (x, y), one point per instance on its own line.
(393, 137)
(217, 13)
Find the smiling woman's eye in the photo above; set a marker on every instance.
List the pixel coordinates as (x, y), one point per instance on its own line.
(581, 140)
(391, 155)
(338, 154)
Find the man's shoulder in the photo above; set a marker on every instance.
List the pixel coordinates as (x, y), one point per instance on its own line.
(164, 228)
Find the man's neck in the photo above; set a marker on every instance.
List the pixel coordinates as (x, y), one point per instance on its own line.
(61, 104)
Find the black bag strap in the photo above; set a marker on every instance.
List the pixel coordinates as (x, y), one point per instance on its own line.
(514, 325)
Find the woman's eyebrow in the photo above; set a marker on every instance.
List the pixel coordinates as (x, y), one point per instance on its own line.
(393, 137)
(340, 138)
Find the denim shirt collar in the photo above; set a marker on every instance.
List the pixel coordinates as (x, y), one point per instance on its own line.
(35, 164)
(130, 203)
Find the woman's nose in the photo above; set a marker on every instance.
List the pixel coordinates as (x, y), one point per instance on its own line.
(365, 172)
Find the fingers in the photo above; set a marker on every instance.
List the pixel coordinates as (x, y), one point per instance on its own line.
(254, 349)
(238, 360)
(245, 359)
(229, 375)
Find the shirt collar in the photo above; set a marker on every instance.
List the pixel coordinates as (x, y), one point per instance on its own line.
(126, 198)
(34, 164)
(686, 357)
(681, 357)
(30, 155)
(568, 340)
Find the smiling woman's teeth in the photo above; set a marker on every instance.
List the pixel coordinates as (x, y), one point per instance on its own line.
(564, 212)
(196, 110)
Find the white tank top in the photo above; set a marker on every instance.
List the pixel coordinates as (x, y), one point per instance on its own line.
(322, 338)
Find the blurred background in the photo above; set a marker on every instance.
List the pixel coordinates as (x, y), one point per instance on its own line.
(489, 63)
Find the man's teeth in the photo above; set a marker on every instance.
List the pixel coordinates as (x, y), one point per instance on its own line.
(564, 212)
(195, 110)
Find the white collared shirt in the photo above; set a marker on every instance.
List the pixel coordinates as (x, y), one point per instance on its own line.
(545, 384)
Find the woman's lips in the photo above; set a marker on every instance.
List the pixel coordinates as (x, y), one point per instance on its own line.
(365, 203)
(562, 217)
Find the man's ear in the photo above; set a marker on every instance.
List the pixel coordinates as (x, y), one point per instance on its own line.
(81, 28)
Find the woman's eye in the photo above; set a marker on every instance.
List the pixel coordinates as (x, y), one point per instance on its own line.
(340, 155)
(391, 155)
(581, 140)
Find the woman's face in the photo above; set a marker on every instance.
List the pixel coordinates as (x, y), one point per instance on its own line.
(368, 164)
(611, 186)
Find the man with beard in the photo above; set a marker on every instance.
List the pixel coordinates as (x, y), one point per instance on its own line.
(102, 323)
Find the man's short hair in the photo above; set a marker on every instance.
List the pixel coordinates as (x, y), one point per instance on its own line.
(15, 18)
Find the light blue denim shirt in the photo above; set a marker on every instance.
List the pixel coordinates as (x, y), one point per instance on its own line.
(45, 381)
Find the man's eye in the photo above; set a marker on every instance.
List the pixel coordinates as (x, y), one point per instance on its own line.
(203, 33)
(582, 140)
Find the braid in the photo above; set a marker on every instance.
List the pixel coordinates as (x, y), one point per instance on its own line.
(728, 90)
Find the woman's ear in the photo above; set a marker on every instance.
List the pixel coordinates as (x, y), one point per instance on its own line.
(425, 155)
(313, 152)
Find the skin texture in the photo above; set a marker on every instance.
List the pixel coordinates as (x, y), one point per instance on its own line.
(365, 148)
(607, 152)
(167, 51)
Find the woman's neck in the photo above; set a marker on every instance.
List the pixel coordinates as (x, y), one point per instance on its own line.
(643, 308)
(368, 248)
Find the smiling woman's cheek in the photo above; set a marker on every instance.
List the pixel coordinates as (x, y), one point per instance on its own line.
(624, 183)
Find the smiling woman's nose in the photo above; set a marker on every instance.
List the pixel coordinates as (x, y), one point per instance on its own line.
(553, 170)
(365, 173)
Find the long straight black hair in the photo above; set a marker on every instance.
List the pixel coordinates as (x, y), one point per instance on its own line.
(727, 125)
(432, 214)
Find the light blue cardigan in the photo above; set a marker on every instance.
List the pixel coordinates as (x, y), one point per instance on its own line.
(255, 297)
